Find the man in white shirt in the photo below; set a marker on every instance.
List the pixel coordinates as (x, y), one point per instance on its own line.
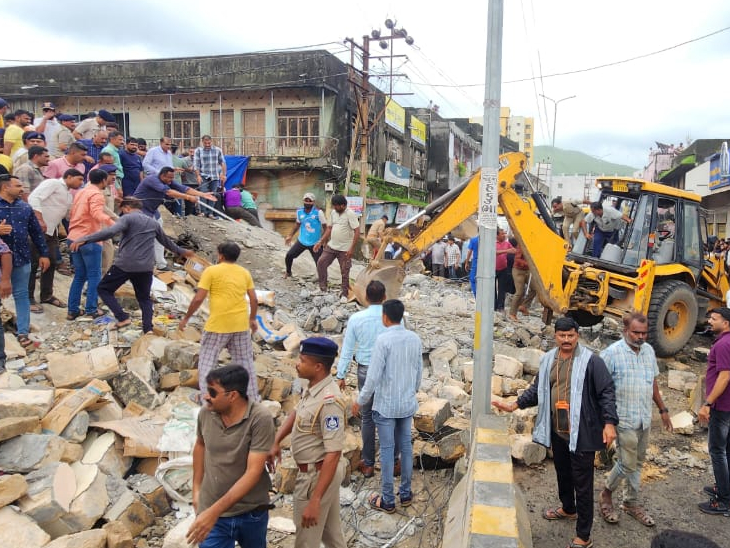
(48, 125)
(438, 254)
(338, 242)
(51, 201)
(607, 220)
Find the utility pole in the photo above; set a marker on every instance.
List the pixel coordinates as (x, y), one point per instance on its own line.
(487, 218)
(555, 110)
(363, 94)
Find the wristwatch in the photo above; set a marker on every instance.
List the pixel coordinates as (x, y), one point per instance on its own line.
(706, 404)
(663, 410)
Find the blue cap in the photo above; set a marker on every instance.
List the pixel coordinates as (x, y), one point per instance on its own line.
(109, 168)
(3, 102)
(318, 346)
(65, 118)
(34, 135)
(106, 115)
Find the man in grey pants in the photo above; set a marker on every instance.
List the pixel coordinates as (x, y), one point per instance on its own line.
(135, 259)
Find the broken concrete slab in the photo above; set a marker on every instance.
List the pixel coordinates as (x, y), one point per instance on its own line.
(107, 453)
(507, 366)
(180, 355)
(683, 423)
(131, 510)
(130, 387)
(684, 381)
(455, 395)
(153, 493)
(175, 538)
(75, 370)
(12, 487)
(76, 430)
(525, 450)
(20, 530)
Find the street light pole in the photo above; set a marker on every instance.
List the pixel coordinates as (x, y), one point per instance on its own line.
(555, 110)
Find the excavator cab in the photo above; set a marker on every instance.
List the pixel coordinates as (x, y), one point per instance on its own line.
(655, 264)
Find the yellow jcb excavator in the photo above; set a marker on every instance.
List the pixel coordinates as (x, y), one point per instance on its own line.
(658, 263)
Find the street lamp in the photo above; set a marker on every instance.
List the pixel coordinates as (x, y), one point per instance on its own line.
(555, 110)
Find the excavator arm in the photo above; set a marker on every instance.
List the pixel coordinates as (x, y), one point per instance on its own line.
(444, 215)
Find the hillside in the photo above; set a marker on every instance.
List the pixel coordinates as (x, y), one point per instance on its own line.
(574, 162)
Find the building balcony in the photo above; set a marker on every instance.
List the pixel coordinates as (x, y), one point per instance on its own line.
(264, 149)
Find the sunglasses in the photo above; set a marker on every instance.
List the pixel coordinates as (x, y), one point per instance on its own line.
(213, 393)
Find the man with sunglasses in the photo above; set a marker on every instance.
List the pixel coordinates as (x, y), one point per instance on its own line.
(230, 483)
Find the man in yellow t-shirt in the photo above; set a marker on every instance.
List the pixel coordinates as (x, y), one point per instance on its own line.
(232, 319)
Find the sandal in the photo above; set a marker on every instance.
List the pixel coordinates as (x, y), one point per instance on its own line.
(71, 316)
(96, 313)
(640, 514)
(376, 503)
(405, 502)
(35, 308)
(25, 341)
(554, 514)
(608, 510)
(575, 544)
(53, 301)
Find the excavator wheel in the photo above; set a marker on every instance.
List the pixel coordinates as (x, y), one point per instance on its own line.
(389, 272)
(672, 316)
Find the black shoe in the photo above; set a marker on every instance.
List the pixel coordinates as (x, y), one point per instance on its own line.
(710, 490)
(714, 507)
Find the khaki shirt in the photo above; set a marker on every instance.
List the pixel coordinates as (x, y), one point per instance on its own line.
(226, 456)
(343, 229)
(571, 209)
(319, 426)
(377, 229)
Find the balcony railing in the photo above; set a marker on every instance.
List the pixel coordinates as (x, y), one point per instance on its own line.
(266, 147)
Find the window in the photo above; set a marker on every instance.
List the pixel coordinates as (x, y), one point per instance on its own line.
(692, 251)
(298, 127)
(183, 128)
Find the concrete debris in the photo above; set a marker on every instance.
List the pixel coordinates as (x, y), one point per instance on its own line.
(96, 424)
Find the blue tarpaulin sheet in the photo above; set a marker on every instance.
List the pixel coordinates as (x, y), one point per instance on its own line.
(236, 167)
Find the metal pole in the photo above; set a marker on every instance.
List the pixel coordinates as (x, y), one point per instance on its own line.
(555, 110)
(487, 218)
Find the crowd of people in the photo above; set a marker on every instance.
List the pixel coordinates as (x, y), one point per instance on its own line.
(63, 180)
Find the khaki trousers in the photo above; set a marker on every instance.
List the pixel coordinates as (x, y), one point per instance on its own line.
(328, 530)
(521, 279)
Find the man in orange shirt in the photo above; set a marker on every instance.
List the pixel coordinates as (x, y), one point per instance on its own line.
(87, 216)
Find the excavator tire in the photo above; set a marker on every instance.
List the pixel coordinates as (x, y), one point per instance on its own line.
(672, 316)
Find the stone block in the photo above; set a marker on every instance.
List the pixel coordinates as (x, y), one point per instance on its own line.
(131, 510)
(150, 345)
(153, 492)
(107, 452)
(681, 380)
(700, 353)
(25, 402)
(521, 421)
(511, 387)
(170, 381)
(451, 447)
(175, 538)
(292, 342)
(530, 357)
(683, 423)
(331, 324)
(431, 415)
(50, 492)
(117, 535)
(20, 530)
(440, 359)
(30, 452)
(286, 476)
(507, 366)
(75, 370)
(90, 500)
(76, 430)
(94, 538)
(143, 366)
(274, 407)
(72, 452)
(11, 380)
(189, 378)
(12, 487)
(130, 387)
(11, 427)
(525, 450)
(180, 355)
(455, 395)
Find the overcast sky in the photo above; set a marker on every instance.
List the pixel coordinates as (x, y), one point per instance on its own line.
(617, 114)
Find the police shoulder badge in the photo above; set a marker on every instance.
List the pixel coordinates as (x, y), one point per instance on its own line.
(331, 423)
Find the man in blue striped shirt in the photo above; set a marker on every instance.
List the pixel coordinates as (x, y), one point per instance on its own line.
(362, 329)
(393, 378)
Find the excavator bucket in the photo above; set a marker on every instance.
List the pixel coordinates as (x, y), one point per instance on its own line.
(390, 272)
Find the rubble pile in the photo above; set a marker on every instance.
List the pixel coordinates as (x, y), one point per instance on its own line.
(97, 426)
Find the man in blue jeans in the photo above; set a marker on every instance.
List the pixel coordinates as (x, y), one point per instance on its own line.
(230, 483)
(210, 169)
(716, 412)
(393, 378)
(17, 224)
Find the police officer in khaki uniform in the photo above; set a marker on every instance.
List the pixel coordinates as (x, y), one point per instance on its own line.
(572, 211)
(317, 426)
